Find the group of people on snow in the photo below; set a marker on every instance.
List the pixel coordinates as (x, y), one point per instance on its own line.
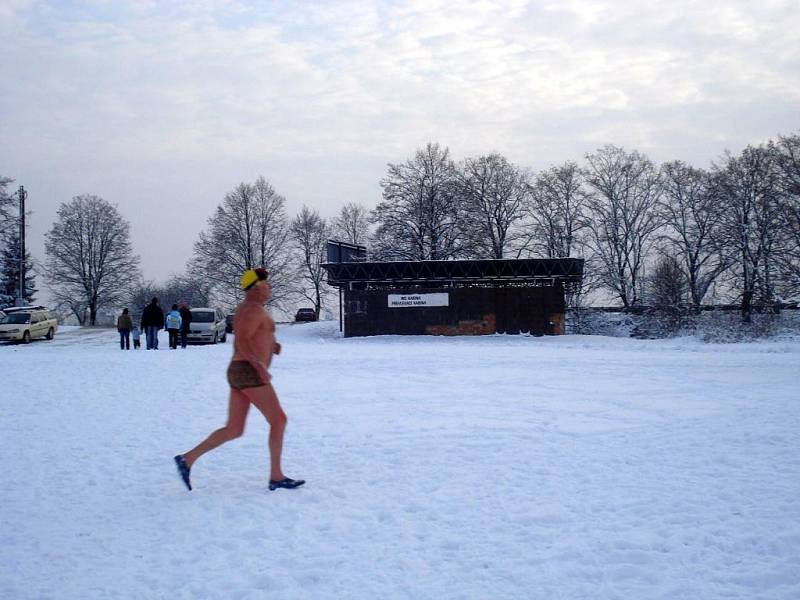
(177, 322)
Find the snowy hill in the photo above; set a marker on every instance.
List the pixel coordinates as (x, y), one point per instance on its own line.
(491, 467)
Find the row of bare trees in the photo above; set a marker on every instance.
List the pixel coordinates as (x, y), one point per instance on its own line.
(735, 226)
(668, 233)
(658, 234)
(92, 265)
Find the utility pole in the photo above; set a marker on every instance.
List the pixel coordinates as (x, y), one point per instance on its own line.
(21, 291)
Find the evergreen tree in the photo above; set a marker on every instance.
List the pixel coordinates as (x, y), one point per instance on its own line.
(9, 268)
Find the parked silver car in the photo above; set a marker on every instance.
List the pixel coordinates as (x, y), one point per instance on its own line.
(24, 325)
(207, 327)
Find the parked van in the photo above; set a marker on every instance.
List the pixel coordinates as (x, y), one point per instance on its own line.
(207, 327)
(25, 325)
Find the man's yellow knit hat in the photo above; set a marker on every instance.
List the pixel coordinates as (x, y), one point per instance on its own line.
(252, 277)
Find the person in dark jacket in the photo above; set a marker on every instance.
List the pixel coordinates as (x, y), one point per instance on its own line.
(152, 321)
(186, 321)
(124, 326)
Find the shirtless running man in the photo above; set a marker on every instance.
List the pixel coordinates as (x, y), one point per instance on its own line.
(253, 347)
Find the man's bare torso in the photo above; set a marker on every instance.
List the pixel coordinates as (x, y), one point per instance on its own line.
(254, 335)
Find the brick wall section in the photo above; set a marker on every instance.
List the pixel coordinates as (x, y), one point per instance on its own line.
(485, 326)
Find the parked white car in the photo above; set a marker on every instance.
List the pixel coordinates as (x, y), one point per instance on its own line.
(207, 327)
(22, 325)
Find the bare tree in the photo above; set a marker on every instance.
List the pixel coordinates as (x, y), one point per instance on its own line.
(90, 258)
(625, 190)
(418, 218)
(352, 224)
(249, 229)
(7, 226)
(749, 190)
(667, 290)
(557, 209)
(667, 284)
(692, 219)
(8, 221)
(787, 151)
(557, 226)
(493, 193)
(310, 234)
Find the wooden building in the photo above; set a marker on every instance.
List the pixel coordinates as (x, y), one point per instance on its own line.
(453, 297)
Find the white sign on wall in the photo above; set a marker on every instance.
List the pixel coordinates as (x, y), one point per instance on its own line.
(415, 300)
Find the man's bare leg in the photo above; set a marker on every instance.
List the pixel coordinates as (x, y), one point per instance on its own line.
(265, 399)
(238, 405)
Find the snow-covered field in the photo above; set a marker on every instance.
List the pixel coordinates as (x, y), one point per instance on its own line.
(493, 467)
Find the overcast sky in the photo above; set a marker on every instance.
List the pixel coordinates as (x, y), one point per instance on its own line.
(162, 107)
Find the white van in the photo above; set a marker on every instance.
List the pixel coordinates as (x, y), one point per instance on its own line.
(207, 326)
(25, 325)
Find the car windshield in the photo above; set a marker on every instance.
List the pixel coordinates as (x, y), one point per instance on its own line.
(203, 316)
(16, 319)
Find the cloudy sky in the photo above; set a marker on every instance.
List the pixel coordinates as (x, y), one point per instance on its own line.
(162, 106)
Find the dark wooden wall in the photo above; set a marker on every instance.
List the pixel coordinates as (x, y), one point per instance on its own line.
(472, 311)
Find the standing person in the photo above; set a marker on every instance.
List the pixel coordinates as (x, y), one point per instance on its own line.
(152, 321)
(136, 335)
(124, 326)
(186, 321)
(172, 323)
(249, 379)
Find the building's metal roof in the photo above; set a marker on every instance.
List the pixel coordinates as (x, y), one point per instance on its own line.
(497, 271)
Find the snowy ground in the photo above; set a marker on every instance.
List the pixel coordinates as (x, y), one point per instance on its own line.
(493, 467)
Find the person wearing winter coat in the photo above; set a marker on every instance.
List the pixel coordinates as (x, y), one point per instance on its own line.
(172, 323)
(124, 326)
(186, 321)
(136, 335)
(152, 321)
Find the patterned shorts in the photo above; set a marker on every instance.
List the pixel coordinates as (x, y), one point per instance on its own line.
(241, 375)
